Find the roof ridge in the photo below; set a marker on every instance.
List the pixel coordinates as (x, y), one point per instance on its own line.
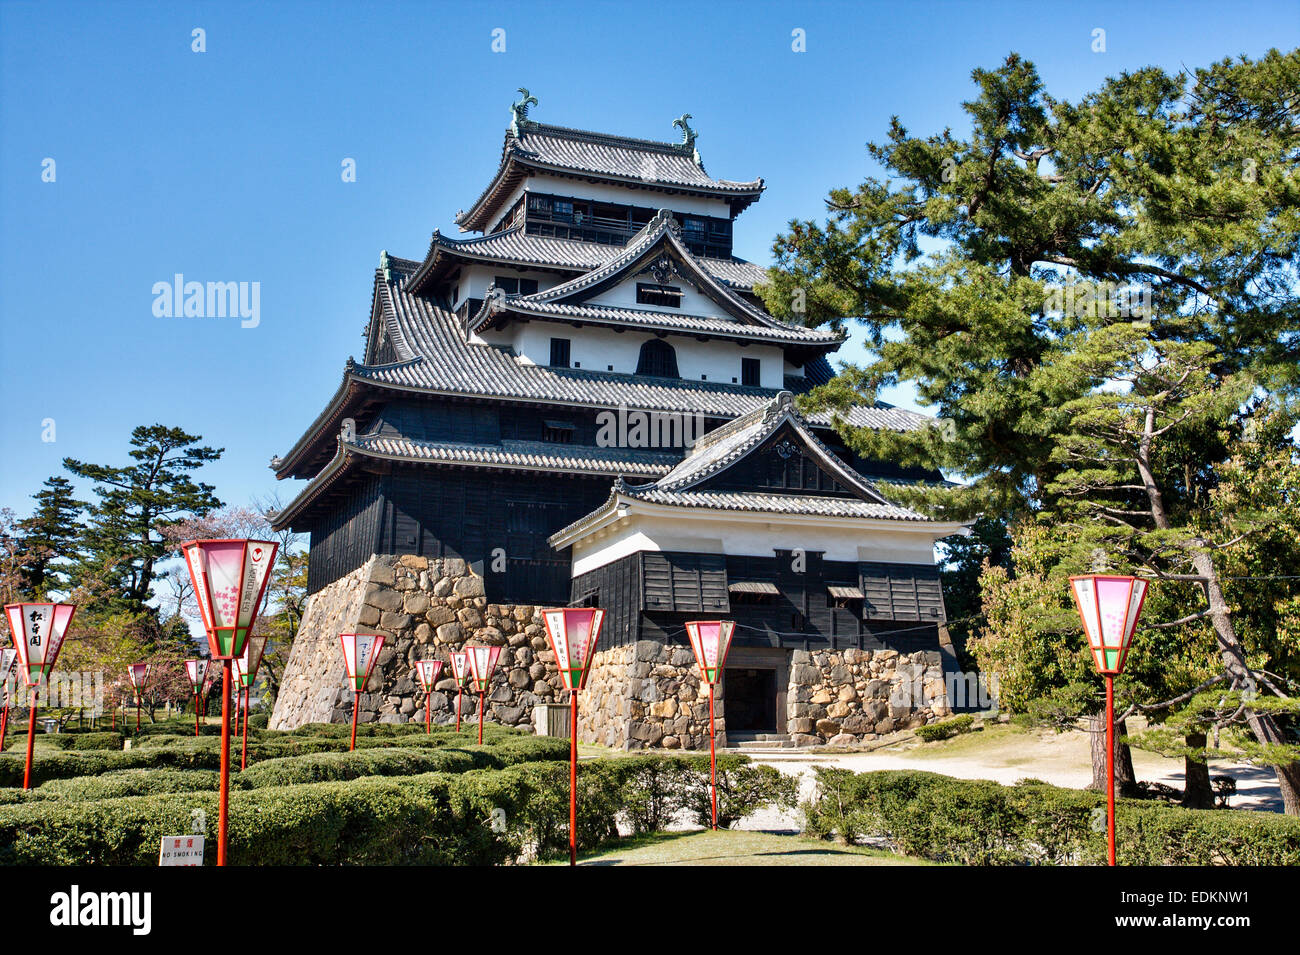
(612, 139)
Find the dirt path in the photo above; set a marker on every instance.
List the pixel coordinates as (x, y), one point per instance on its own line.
(1005, 755)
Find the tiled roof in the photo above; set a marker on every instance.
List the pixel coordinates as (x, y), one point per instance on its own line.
(724, 447)
(668, 321)
(775, 503)
(516, 247)
(440, 360)
(645, 160)
(515, 455)
(641, 162)
(538, 455)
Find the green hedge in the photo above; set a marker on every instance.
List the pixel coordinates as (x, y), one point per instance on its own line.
(975, 822)
(367, 822)
(398, 761)
(431, 818)
(946, 729)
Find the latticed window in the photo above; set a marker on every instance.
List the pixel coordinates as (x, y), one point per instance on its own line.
(658, 359)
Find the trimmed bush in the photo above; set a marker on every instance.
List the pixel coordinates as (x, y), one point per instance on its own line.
(975, 822)
(452, 816)
(933, 732)
(365, 822)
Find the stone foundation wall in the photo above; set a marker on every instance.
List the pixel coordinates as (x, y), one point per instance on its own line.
(425, 608)
(646, 695)
(846, 696)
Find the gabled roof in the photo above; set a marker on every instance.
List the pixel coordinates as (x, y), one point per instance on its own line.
(644, 163)
(352, 449)
(685, 485)
(658, 248)
(435, 358)
(514, 247)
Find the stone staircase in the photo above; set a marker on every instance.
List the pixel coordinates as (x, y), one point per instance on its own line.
(758, 742)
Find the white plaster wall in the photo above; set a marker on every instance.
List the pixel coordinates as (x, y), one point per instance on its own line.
(625, 195)
(475, 279)
(623, 295)
(599, 348)
(754, 538)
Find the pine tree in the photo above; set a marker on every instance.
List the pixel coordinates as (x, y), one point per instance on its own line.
(1090, 294)
(124, 538)
(49, 535)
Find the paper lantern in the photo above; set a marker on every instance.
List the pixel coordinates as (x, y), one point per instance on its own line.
(482, 661)
(573, 633)
(230, 577)
(710, 639)
(246, 664)
(197, 671)
(460, 666)
(428, 671)
(359, 653)
(1109, 607)
(38, 630)
(138, 673)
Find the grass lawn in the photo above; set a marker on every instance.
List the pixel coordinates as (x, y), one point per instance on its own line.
(736, 847)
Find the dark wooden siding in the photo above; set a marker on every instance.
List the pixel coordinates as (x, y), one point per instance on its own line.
(694, 583)
(616, 588)
(344, 537)
(778, 464)
(466, 423)
(902, 591)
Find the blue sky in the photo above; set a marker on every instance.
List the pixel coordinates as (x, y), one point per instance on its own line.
(225, 166)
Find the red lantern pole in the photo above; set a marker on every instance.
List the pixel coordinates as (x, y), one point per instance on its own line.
(196, 712)
(1109, 607)
(573, 777)
(4, 723)
(230, 579)
(481, 697)
(38, 630)
(223, 810)
(1110, 766)
(137, 714)
(31, 739)
(710, 639)
(243, 756)
(573, 634)
(356, 705)
(460, 691)
(713, 761)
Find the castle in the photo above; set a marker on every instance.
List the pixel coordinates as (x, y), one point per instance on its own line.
(586, 403)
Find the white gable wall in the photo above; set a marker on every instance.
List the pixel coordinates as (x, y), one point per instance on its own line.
(629, 195)
(739, 536)
(596, 349)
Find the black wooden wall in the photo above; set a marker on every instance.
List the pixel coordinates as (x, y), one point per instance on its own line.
(345, 535)
(651, 595)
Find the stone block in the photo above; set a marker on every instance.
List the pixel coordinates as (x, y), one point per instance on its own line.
(469, 587)
(828, 728)
(415, 602)
(396, 621)
(383, 598)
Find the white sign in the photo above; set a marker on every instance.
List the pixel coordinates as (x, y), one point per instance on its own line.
(181, 850)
